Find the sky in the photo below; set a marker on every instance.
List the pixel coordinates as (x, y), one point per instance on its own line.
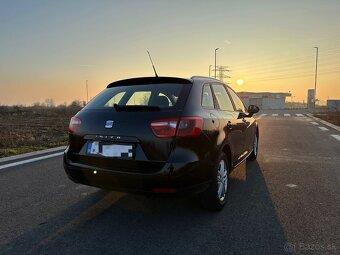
(48, 49)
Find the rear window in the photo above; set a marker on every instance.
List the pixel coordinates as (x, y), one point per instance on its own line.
(164, 96)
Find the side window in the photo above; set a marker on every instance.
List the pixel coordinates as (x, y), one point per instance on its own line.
(237, 101)
(207, 98)
(222, 98)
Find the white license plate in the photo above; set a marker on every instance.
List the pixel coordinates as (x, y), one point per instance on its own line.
(110, 150)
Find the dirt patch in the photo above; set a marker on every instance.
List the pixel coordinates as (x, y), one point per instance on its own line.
(332, 117)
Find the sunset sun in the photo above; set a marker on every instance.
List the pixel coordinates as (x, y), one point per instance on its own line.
(240, 82)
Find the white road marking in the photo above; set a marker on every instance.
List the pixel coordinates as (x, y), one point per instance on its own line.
(299, 114)
(286, 114)
(291, 185)
(325, 122)
(315, 123)
(31, 160)
(323, 128)
(263, 114)
(275, 115)
(337, 137)
(31, 154)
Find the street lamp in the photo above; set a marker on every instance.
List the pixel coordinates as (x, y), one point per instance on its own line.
(215, 60)
(87, 92)
(316, 75)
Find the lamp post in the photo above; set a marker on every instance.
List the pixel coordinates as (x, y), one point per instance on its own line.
(316, 74)
(87, 92)
(209, 70)
(215, 60)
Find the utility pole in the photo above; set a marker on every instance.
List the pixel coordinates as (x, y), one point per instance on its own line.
(215, 60)
(316, 74)
(291, 99)
(209, 70)
(87, 92)
(221, 72)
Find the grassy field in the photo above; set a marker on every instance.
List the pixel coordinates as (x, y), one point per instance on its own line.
(26, 129)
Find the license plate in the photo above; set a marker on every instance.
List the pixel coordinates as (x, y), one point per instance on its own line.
(110, 150)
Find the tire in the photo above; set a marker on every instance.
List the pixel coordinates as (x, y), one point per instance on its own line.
(215, 197)
(253, 155)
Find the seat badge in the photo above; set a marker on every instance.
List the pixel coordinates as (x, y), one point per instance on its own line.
(109, 124)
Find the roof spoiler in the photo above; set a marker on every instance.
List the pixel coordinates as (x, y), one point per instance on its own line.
(149, 80)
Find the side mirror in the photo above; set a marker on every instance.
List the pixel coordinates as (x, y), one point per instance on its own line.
(242, 115)
(252, 109)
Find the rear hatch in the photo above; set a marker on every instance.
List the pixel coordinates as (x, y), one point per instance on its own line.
(118, 129)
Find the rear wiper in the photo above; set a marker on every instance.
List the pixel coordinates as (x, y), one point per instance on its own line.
(136, 108)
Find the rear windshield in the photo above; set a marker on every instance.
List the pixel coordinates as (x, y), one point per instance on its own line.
(164, 96)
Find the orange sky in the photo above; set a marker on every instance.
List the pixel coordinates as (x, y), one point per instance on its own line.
(48, 50)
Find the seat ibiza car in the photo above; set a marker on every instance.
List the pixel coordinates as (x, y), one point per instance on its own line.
(162, 135)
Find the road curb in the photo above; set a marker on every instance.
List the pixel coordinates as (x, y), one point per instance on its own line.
(324, 122)
(31, 154)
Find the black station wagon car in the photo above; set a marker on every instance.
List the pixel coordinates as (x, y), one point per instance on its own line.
(162, 135)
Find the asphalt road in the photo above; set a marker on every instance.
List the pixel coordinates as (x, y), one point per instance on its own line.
(286, 201)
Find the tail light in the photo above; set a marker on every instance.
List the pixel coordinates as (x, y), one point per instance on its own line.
(74, 124)
(183, 127)
(189, 127)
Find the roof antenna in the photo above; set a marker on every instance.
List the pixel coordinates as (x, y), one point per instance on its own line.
(154, 69)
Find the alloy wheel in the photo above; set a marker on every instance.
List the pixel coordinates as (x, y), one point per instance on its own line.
(222, 180)
(255, 145)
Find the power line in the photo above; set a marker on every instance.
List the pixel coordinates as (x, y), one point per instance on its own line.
(325, 65)
(333, 69)
(288, 64)
(292, 76)
(289, 69)
(279, 58)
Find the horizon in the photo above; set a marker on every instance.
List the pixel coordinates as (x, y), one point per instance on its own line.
(49, 50)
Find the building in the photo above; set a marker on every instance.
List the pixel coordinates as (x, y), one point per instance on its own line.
(264, 100)
(333, 104)
(310, 99)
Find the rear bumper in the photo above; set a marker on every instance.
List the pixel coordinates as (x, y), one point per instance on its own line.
(178, 178)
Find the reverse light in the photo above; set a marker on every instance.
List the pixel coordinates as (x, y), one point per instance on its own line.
(183, 127)
(74, 124)
(164, 128)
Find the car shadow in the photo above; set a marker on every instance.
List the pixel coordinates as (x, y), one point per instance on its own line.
(115, 223)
